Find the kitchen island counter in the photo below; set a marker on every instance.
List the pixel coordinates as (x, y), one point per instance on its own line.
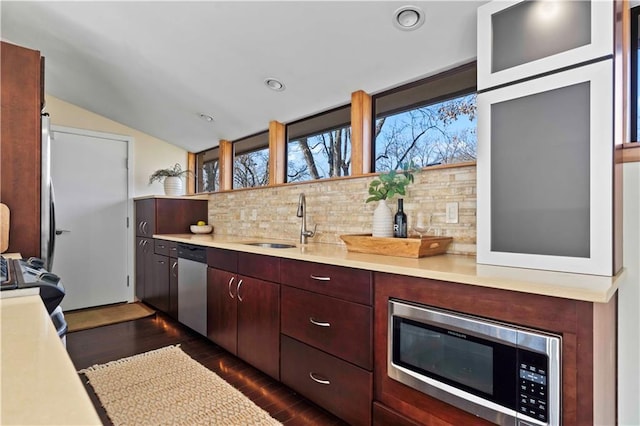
(447, 267)
(39, 382)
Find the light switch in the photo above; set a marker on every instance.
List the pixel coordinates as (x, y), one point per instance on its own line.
(452, 213)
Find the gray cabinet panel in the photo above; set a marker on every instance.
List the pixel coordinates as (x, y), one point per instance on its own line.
(540, 172)
(532, 30)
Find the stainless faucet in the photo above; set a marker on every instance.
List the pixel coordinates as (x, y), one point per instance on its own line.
(302, 212)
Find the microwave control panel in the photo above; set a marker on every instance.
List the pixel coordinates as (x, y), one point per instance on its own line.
(533, 399)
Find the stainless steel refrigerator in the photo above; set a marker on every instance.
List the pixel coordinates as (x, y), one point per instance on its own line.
(47, 203)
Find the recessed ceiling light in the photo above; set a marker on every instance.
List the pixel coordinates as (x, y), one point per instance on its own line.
(206, 117)
(408, 18)
(274, 84)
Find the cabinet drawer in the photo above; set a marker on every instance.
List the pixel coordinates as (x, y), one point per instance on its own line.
(342, 388)
(341, 328)
(227, 260)
(337, 281)
(161, 247)
(258, 266)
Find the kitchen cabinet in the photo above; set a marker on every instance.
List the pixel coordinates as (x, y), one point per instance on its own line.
(22, 82)
(520, 39)
(157, 259)
(243, 307)
(167, 216)
(157, 291)
(549, 190)
(327, 335)
(588, 348)
(144, 266)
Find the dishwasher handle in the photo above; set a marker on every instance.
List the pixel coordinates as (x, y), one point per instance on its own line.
(192, 252)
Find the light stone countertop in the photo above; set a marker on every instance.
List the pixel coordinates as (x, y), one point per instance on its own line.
(39, 384)
(453, 268)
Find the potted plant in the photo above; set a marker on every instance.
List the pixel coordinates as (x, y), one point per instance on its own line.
(385, 186)
(172, 178)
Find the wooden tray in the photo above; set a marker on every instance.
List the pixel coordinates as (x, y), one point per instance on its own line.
(403, 247)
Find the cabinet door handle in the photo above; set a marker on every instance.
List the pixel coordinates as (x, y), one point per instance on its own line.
(231, 282)
(315, 277)
(238, 290)
(140, 226)
(144, 227)
(317, 380)
(174, 265)
(319, 323)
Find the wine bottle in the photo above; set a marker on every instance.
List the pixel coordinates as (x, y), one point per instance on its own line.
(400, 222)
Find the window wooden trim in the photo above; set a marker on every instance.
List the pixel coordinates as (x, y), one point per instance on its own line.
(226, 164)
(361, 144)
(277, 152)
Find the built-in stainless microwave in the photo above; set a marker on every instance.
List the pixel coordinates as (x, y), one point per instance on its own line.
(503, 373)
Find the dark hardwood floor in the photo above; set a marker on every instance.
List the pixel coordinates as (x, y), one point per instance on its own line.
(109, 343)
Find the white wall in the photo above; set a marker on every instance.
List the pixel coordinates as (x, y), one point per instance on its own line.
(149, 153)
(629, 303)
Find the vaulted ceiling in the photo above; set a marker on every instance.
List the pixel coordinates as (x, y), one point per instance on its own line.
(156, 66)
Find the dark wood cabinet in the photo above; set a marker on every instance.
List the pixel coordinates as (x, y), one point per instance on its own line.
(243, 312)
(222, 309)
(588, 347)
(168, 215)
(259, 324)
(330, 382)
(327, 334)
(158, 284)
(20, 138)
(157, 292)
(144, 265)
(161, 291)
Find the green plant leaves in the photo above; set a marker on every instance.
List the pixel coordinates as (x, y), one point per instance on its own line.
(386, 185)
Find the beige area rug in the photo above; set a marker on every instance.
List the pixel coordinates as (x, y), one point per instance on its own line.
(168, 387)
(105, 315)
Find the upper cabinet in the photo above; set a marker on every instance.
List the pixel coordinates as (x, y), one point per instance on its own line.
(522, 39)
(549, 119)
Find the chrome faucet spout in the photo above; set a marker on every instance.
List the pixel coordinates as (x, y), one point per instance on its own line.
(302, 213)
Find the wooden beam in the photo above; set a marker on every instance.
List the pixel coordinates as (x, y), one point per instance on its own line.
(277, 153)
(361, 116)
(191, 177)
(226, 165)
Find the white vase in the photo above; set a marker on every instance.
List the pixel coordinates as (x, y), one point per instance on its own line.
(382, 220)
(173, 186)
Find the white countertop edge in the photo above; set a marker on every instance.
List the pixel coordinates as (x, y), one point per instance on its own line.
(453, 268)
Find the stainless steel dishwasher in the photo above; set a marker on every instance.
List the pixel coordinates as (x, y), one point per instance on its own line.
(192, 287)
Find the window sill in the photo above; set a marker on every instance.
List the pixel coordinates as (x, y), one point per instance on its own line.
(631, 152)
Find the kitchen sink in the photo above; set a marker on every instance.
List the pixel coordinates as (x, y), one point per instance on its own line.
(271, 245)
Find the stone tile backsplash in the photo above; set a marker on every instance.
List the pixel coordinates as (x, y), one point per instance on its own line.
(338, 207)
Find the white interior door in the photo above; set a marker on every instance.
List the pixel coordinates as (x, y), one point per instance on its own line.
(90, 180)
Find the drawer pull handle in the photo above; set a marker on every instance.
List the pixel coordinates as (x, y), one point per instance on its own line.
(161, 262)
(321, 381)
(318, 323)
(314, 277)
(231, 282)
(161, 246)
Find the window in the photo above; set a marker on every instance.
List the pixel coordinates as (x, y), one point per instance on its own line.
(251, 161)
(635, 69)
(208, 168)
(429, 122)
(320, 147)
